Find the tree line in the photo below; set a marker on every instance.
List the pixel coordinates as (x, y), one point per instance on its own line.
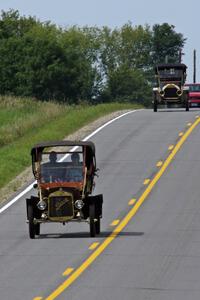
(73, 64)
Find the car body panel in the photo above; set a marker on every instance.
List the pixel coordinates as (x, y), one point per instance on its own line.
(194, 93)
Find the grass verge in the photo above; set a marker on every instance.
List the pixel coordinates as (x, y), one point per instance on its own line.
(30, 122)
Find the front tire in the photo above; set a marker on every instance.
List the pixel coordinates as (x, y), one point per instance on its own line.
(37, 229)
(31, 223)
(155, 105)
(187, 106)
(92, 222)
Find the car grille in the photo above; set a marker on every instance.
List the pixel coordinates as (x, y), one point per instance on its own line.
(61, 208)
(170, 93)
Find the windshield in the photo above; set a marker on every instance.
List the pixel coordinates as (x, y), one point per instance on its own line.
(194, 88)
(170, 73)
(61, 167)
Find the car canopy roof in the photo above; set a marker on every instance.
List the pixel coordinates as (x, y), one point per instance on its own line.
(177, 66)
(39, 147)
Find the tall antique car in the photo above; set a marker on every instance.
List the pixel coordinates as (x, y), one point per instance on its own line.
(170, 87)
(65, 181)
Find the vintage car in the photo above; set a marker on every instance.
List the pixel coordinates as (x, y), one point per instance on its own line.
(64, 172)
(170, 87)
(194, 94)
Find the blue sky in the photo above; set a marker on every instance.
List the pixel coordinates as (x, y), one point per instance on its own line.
(184, 15)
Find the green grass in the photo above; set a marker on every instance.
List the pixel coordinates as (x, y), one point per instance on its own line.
(19, 116)
(25, 122)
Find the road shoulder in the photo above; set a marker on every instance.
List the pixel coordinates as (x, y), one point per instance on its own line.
(25, 178)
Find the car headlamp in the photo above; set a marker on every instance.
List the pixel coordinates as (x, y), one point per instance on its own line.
(41, 205)
(162, 93)
(79, 204)
(179, 92)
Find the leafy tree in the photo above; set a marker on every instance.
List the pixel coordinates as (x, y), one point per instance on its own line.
(41, 63)
(14, 25)
(125, 59)
(126, 84)
(44, 61)
(12, 28)
(74, 64)
(166, 43)
(135, 46)
(79, 63)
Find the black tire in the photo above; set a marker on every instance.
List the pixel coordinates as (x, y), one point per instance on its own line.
(187, 105)
(98, 226)
(92, 222)
(155, 105)
(37, 229)
(31, 224)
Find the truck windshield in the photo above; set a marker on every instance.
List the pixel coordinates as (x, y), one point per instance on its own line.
(194, 88)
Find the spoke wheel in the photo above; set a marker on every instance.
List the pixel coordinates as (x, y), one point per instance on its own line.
(92, 222)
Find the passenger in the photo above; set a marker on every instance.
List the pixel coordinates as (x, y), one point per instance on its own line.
(76, 171)
(75, 157)
(53, 157)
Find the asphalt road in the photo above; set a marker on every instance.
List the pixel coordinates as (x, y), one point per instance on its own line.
(156, 256)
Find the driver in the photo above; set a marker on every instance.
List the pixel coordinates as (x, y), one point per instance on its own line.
(51, 170)
(53, 157)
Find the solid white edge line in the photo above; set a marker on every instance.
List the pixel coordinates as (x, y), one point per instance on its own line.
(17, 197)
(11, 202)
(108, 123)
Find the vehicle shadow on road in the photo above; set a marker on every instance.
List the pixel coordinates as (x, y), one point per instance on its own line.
(176, 110)
(119, 234)
(78, 235)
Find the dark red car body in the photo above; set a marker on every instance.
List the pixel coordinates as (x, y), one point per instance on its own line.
(194, 94)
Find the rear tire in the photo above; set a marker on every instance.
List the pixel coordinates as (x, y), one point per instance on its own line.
(31, 224)
(92, 222)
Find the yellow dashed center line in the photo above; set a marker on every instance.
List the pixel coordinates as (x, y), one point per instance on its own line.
(146, 181)
(37, 298)
(94, 245)
(159, 163)
(115, 222)
(63, 286)
(189, 124)
(170, 147)
(180, 134)
(132, 201)
(68, 271)
(197, 117)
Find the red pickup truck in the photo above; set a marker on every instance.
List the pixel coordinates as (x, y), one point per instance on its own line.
(194, 94)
